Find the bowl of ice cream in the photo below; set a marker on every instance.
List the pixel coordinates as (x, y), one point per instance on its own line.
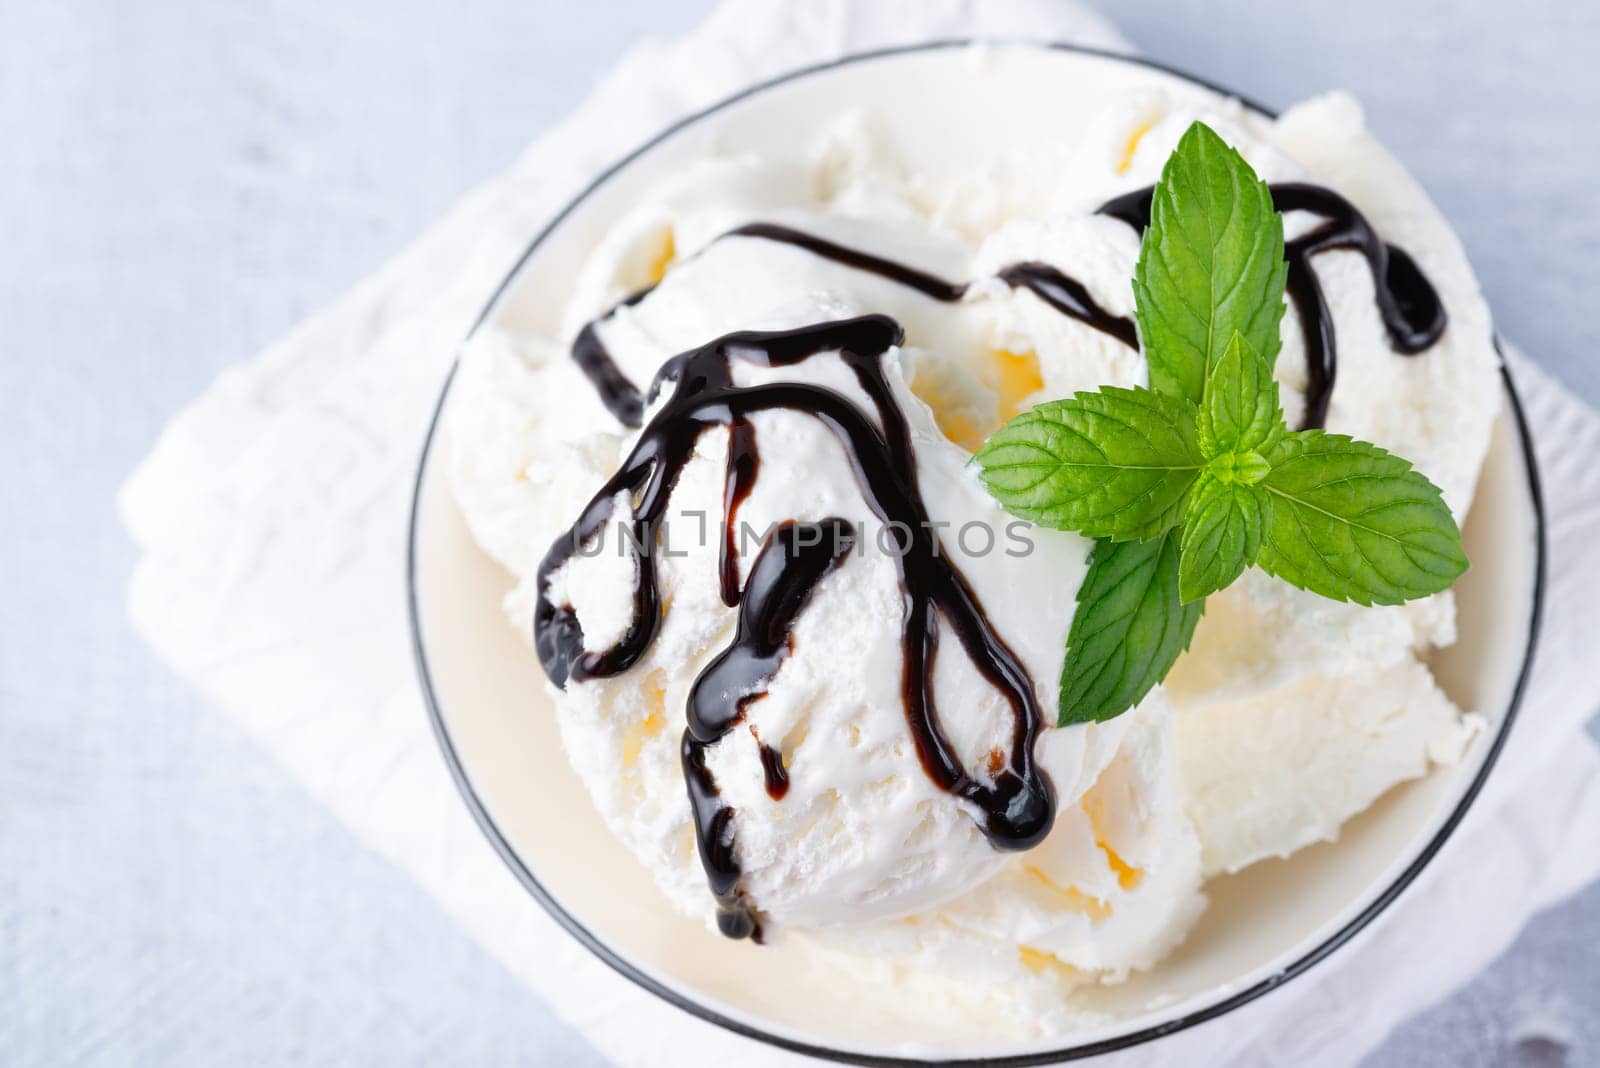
(897, 252)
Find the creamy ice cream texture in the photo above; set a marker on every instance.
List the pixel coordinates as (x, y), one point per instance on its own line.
(1289, 714)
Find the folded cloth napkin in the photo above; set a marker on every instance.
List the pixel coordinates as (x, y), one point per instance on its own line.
(272, 517)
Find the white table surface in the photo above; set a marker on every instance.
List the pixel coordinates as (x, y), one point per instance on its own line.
(182, 182)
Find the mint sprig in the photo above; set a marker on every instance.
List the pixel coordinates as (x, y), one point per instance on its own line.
(1192, 481)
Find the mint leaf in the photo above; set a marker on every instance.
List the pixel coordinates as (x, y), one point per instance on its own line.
(1129, 628)
(1240, 413)
(1211, 263)
(1114, 464)
(1352, 522)
(1221, 536)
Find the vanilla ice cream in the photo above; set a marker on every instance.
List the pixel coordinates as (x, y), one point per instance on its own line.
(845, 819)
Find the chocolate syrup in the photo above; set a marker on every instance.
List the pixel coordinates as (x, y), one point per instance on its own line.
(894, 271)
(1017, 805)
(1070, 297)
(616, 391)
(774, 775)
(1062, 292)
(791, 563)
(1065, 294)
(743, 461)
(1412, 313)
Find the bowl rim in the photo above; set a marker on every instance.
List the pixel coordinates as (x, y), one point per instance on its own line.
(620, 964)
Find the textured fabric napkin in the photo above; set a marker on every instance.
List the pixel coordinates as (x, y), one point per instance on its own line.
(272, 517)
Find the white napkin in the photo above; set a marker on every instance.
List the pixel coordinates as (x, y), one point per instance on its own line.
(272, 517)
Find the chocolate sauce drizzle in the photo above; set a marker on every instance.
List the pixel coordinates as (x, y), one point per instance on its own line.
(1070, 297)
(1062, 292)
(1017, 803)
(794, 559)
(617, 392)
(1412, 313)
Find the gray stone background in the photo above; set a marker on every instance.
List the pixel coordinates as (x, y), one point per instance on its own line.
(180, 182)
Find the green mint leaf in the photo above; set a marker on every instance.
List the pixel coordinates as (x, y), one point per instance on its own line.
(1129, 628)
(1240, 413)
(1221, 536)
(1352, 522)
(1114, 464)
(1211, 263)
